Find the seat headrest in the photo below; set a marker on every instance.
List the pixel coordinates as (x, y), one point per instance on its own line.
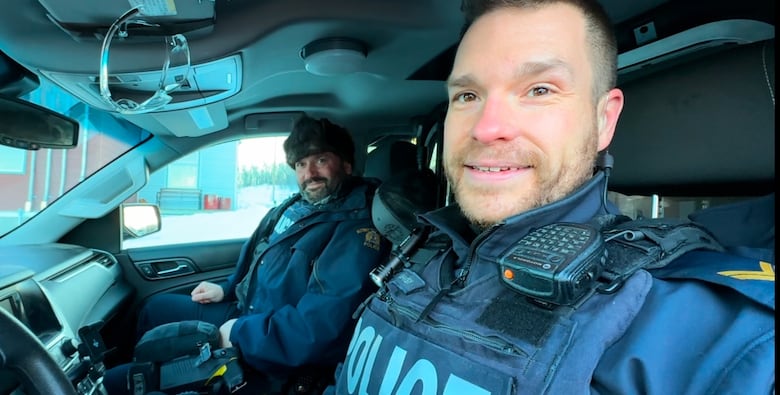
(399, 199)
(389, 159)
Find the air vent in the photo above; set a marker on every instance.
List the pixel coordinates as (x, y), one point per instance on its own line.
(104, 258)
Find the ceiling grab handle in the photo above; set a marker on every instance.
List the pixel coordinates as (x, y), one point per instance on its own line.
(177, 57)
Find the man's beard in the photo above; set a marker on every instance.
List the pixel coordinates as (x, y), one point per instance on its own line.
(485, 206)
(331, 187)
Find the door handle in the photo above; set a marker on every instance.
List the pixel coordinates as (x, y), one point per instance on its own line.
(173, 270)
(156, 270)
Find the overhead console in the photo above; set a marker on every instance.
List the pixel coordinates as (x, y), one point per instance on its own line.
(131, 76)
(77, 18)
(207, 83)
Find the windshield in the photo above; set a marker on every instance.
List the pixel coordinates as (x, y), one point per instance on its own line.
(32, 180)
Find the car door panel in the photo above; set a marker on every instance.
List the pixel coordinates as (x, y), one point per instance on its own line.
(178, 268)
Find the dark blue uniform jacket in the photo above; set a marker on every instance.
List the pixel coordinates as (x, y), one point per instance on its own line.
(704, 324)
(308, 284)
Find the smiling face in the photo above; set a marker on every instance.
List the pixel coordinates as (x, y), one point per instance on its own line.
(523, 127)
(320, 175)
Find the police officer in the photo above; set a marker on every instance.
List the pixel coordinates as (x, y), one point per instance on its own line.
(300, 276)
(532, 108)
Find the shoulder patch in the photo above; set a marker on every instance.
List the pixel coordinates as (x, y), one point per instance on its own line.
(766, 272)
(751, 277)
(371, 238)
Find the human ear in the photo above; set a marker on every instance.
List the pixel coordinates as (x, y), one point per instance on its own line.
(608, 112)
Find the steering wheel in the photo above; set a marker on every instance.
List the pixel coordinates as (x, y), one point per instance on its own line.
(21, 351)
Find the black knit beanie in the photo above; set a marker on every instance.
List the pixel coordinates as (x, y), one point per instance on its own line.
(310, 137)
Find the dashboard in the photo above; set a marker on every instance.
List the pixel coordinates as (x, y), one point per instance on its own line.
(62, 293)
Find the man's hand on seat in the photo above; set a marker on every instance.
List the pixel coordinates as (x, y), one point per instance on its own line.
(207, 292)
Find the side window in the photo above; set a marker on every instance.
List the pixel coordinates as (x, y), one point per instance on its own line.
(12, 160)
(220, 192)
(656, 206)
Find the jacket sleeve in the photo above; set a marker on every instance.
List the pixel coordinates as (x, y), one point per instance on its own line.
(695, 338)
(310, 331)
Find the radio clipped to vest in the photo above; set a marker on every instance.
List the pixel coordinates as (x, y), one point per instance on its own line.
(556, 264)
(561, 263)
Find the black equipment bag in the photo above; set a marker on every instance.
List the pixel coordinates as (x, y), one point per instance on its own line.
(178, 357)
(169, 341)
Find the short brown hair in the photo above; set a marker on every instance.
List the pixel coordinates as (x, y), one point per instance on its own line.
(599, 28)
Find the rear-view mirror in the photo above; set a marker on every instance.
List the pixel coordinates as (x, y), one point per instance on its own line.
(29, 126)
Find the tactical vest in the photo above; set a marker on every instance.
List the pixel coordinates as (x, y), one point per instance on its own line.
(424, 332)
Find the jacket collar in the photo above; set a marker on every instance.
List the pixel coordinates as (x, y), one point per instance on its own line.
(353, 194)
(580, 206)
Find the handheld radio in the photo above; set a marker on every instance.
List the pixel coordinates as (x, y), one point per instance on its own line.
(556, 264)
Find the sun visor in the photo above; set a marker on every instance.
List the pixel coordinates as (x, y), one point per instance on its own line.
(91, 19)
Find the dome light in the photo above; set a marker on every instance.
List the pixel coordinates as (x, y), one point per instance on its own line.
(334, 56)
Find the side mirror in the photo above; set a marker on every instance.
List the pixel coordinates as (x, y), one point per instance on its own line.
(140, 219)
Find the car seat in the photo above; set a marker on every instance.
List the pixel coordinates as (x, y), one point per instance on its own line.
(400, 199)
(405, 190)
(390, 158)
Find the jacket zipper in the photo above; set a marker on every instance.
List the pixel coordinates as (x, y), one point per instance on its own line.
(463, 272)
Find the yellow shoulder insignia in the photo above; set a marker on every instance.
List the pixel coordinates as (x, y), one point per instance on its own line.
(767, 273)
(371, 238)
